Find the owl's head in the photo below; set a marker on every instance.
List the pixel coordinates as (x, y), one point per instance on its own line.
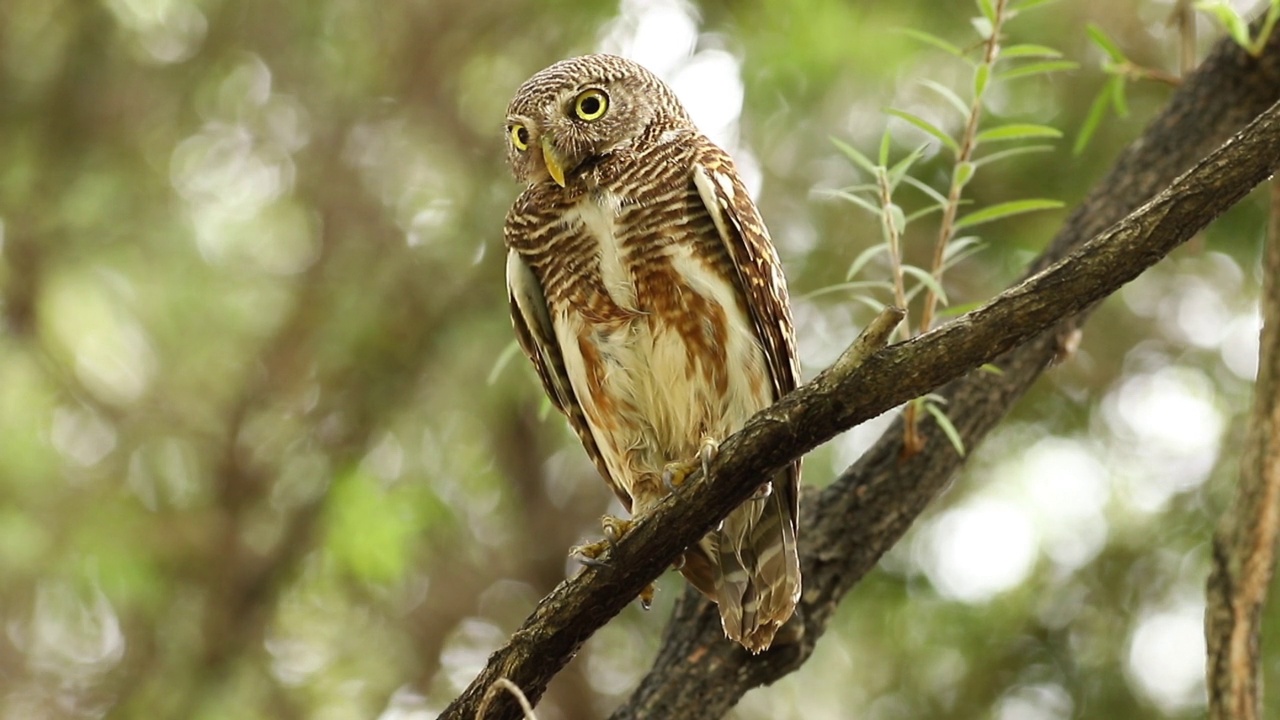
(576, 112)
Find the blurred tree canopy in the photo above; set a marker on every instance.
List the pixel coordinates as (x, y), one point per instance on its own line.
(267, 450)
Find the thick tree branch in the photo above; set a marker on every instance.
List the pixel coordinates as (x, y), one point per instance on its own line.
(855, 520)
(1244, 549)
(832, 404)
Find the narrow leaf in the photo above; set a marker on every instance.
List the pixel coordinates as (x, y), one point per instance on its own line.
(858, 200)
(865, 257)
(840, 287)
(934, 40)
(927, 280)
(949, 95)
(1030, 4)
(1116, 85)
(920, 185)
(944, 423)
(958, 245)
(1018, 131)
(926, 126)
(991, 368)
(1010, 152)
(852, 153)
(899, 170)
(923, 212)
(1105, 43)
(963, 174)
(988, 10)
(1091, 121)
(1229, 18)
(886, 141)
(981, 75)
(1040, 68)
(1028, 50)
(897, 217)
(1005, 209)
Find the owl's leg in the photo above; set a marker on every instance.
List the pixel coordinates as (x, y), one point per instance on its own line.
(676, 473)
(589, 554)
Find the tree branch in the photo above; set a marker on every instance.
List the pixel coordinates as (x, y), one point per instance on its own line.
(833, 403)
(856, 519)
(1244, 548)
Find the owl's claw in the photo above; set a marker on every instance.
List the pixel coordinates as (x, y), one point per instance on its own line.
(589, 554)
(675, 474)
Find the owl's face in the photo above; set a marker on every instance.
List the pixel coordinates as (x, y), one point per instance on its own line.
(578, 111)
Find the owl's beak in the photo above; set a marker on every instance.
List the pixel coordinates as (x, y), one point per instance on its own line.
(555, 165)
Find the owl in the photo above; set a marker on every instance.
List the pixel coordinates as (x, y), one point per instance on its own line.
(646, 292)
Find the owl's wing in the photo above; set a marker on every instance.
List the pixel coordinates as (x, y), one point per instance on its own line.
(759, 275)
(537, 338)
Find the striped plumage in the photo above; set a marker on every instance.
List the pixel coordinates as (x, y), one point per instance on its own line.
(647, 294)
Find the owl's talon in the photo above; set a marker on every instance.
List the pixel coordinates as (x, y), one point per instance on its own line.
(646, 596)
(675, 474)
(614, 528)
(710, 449)
(588, 554)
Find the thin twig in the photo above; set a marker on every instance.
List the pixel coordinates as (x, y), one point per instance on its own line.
(505, 684)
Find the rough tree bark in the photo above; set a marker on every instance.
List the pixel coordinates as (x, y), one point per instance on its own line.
(848, 526)
(1244, 548)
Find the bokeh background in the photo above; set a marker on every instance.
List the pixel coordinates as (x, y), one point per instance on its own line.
(267, 449)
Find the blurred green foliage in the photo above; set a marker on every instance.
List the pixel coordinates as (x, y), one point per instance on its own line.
(260, 454)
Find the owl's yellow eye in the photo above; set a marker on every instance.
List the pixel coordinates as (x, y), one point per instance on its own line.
(520, 137)
(591, 105)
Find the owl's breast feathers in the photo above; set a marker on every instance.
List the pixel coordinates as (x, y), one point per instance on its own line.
(656, 336)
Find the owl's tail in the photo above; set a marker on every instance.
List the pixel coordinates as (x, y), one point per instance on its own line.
(755, 571)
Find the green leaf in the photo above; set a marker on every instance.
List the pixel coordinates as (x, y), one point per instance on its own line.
(948, 429)
(920, 185)
(981, 76)
(922, 212)
(1010, 152)
(927, 280)
(949, 95)
(858, 158)
(991, 368)
(858, 285)
(897, 217)
(865, 257)
(1003, 210)
(1018, 131)
(982, 26)
(875, 305)
(886, 142)
(1028, 50)
(988, 10)
(1235, 25)
(963, 174)
(1097, 111)
(953, 259)
(934, 40)
(861, 202)
(1116, 86)
(1040, 68)
(900, 168)
(1030, 4)
(926, 126)
(1105, 43)
(958, 245)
